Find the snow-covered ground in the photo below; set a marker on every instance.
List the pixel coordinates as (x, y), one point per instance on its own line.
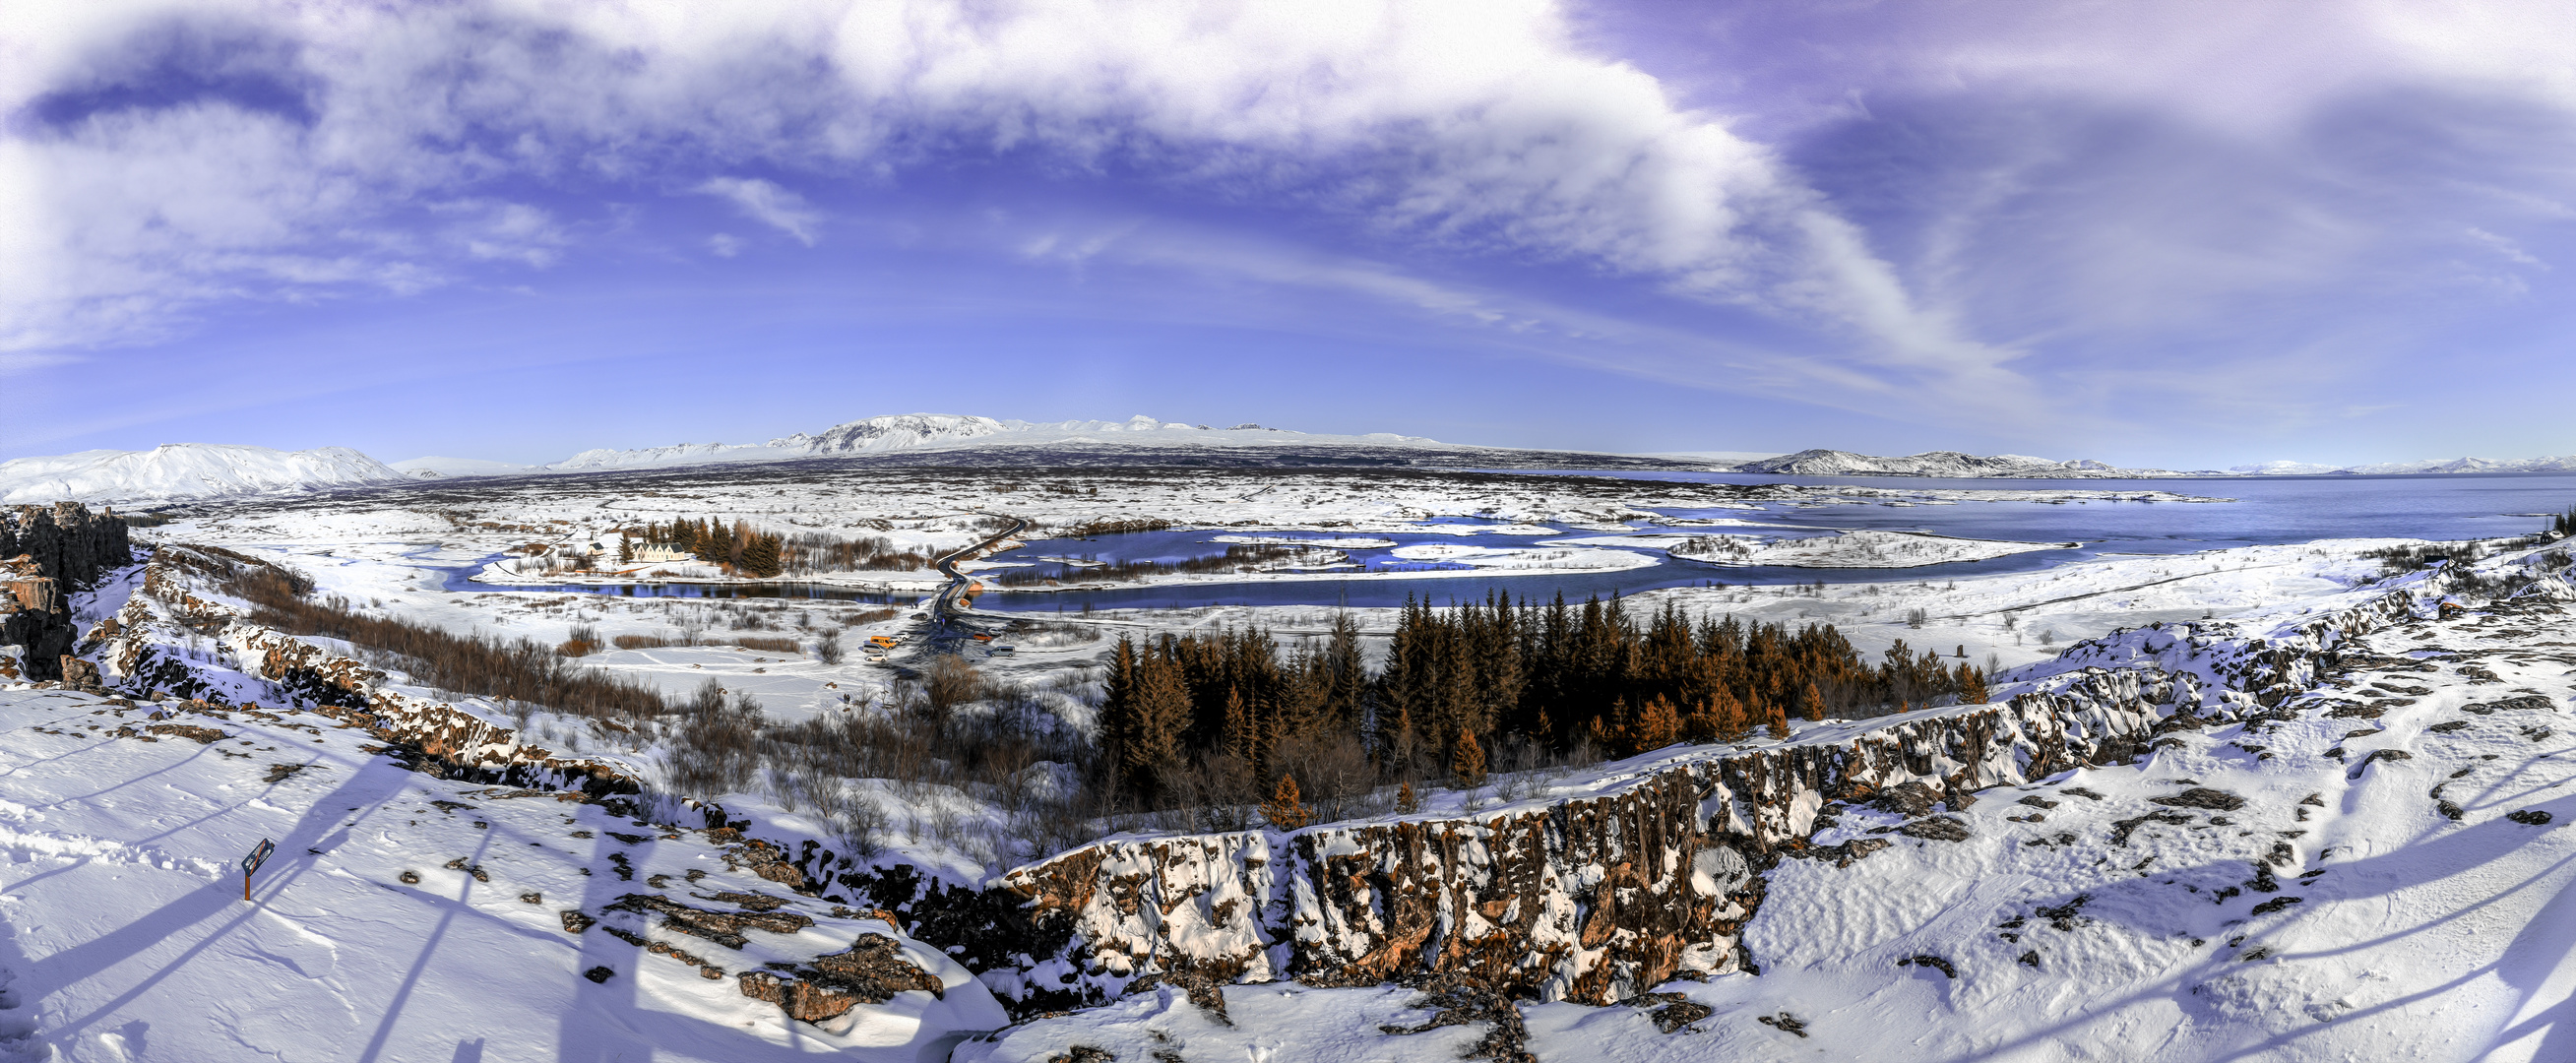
(402, 917)
(2416, 914)
(2379, 869)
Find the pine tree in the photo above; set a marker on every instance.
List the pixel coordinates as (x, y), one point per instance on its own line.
(1286, 809)
(1118, 708)
(1162, 719)
(1811, 702)
(760, 556)
(1406, 802)
(1656, 726)
(1972, 686)
(1467, 762)
(625, 548)
(1779, 724)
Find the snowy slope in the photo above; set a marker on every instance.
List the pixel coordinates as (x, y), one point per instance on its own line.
(1939, 463)
(434, 468)
(938, 431)
(403, 916)
(185, 470)
(2424, 466)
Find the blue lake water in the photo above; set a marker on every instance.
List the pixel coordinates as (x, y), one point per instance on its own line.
(2267, 510)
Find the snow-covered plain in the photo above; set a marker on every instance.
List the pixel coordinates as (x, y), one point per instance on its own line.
(2434, 916)
(403, 917)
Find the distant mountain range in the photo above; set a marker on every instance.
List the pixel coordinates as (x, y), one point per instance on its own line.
(1951, 464)
(185, 470)
(2407, 468)
(197, 470)
(1947, 464)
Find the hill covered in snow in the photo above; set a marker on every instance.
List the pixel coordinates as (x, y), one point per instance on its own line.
(935, 438)
(185, 470)
(911, 432)
(2410, 468)
(1948, 464)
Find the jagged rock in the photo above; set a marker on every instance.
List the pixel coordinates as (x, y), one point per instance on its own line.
(723, 928)
(599, 974)
(2201, 797)
(1908, 799)
(871, 971)
(2122, 828)
(1937, 828)
(2276, 904)
(2531, 816)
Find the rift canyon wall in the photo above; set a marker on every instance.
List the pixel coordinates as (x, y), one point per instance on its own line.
(45, 554)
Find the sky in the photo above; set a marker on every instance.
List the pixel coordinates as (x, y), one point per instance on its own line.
(2185, 235)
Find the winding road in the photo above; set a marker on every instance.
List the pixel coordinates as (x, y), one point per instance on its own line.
(945, 629)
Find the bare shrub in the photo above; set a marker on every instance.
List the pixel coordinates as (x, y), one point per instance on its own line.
(827, 649)
(717, 748)
(640, 642)
(951, 682)
(584, 641)
(869, 616)
(522, 670)
(769, 645)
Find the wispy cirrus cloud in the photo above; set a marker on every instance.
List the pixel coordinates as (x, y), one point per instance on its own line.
(198, 141)
(768, 204)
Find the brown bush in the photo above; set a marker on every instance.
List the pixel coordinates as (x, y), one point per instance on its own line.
(577, 648)
(869, 616)
(524, 670)
(769, 645)
(641, 642)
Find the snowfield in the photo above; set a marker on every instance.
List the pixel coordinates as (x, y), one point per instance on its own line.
(183, 471)
(2372, 865)
(403, 917)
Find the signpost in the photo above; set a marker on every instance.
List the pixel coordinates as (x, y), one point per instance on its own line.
(251, 863)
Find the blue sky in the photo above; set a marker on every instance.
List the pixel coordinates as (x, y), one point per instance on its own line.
(2187, 235)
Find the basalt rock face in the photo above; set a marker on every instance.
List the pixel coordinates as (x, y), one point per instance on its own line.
(44, 555)
(35, 623)
(69, 544)
(1593, 898)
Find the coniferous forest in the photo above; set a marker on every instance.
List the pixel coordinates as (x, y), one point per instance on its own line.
(1224, 716)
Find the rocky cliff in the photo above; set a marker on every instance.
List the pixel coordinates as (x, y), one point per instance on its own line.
(44, 555)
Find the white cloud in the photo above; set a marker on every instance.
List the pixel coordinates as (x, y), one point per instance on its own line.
(768, 204)
(1475, 127)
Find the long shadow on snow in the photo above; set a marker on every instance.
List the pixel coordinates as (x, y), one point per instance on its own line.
(2418, 865)
(81, 961)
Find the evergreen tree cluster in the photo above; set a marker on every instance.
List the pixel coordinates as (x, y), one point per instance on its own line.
(738, 548)
(1176, 699)
(1556, 676)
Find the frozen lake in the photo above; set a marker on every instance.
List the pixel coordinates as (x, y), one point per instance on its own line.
(2265, 510)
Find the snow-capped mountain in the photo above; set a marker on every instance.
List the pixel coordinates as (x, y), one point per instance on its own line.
(940, 431)
(1942, 463)
(439, 468)
(2402, 468)
(185, 470)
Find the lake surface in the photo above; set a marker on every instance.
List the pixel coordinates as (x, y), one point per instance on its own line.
(2266, 510)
